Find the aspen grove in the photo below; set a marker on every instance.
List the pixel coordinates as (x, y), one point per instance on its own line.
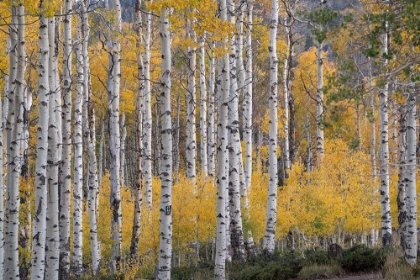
(142, 136)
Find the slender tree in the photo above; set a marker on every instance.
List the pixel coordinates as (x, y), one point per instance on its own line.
(165, 251)
(271, 219)
(40, 221)
(203, 110)
(211, 115)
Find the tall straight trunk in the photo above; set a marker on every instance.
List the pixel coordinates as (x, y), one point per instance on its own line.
(372, 122)
(319, 102)
(286, 77)
(401, 197)
(147, 114)
(65, 175)
(138, 198)
(176, 155)
(211, 115)
(54, 155)
(222, 155)
(247, 103)
(271, 218)
(123, 152)
(2, 185)
(203, 110)
(384, 154)
(101, 152)
(234, 147)
(410, 179)
(15, 136)
(114, 77)
(40, 219)
(165, 251)
(78, 154)
(89, 134)
(191, 149)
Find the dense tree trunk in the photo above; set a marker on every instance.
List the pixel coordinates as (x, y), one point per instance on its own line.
(54, 154)
(147, 114)
(384, 154)
(211, 115)
(137, 190)
(286, 78)
(114, 77)
(410, 179)
(6, 88)
(203, 110)
(191, 144)
(40, 221)
(78, 153)
(401, 203)
(271, 218)
(65, 168)
(222, 156)
(165, 252)
(319, 102)
(15, 145)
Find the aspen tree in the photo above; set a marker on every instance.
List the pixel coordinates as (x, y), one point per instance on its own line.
(203, 110)
(401, 197)
(319, 102)
(123, 148)
(211, 115)
(78, 152)
(138, 199)
(165, 251)
(65, 175)
(113, 87)
(222, 155)
(286, 77)
(147, 113)
(54, 155)
(271, 218)
(410, 179)
(14, 138)
(191, 148)
(88, 117)
(2, 190)
(101, 152)
(40, 223)
(384, 151)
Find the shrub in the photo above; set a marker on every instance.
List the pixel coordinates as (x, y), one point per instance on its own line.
(362, 258)
(317, 256)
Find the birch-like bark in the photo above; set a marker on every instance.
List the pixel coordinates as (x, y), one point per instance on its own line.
(372, 123)
(287, 59)
(89, 135)
(384, 153)
(401, 203)
(78, 153)
(65, 191)
(54, 155)
(191, 148)
(147, 114)
(319, 102)
(114, 77)
(222, 155)
(2, 183)
(410, 179)
(101, 152)
(165, 252)
(247, 103)
(14, 138)
(271, 218)
(40, 221)
(211, 115)
(138, 198)
(203, 110)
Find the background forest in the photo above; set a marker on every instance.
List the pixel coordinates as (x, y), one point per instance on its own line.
(139, 136)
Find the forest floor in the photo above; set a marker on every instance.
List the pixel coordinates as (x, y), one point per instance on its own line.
(342, 276)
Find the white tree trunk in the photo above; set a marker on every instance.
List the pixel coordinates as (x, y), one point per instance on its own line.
(165, 251)
(54, 155)
(287, 59)
(40, 222)
(137, 190)
(401, 197)
(78, 154)
(101, 152)
(222, 156)
(65, 175)
(191, 149)
(319, 102)
(384, 155)
(211, 116)
(203, 110)
(114, 77)
(6, 88)
(410, 179)
(15, 145)
(147, 115)
(271, 218)
(123, 154)
(247, 103)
